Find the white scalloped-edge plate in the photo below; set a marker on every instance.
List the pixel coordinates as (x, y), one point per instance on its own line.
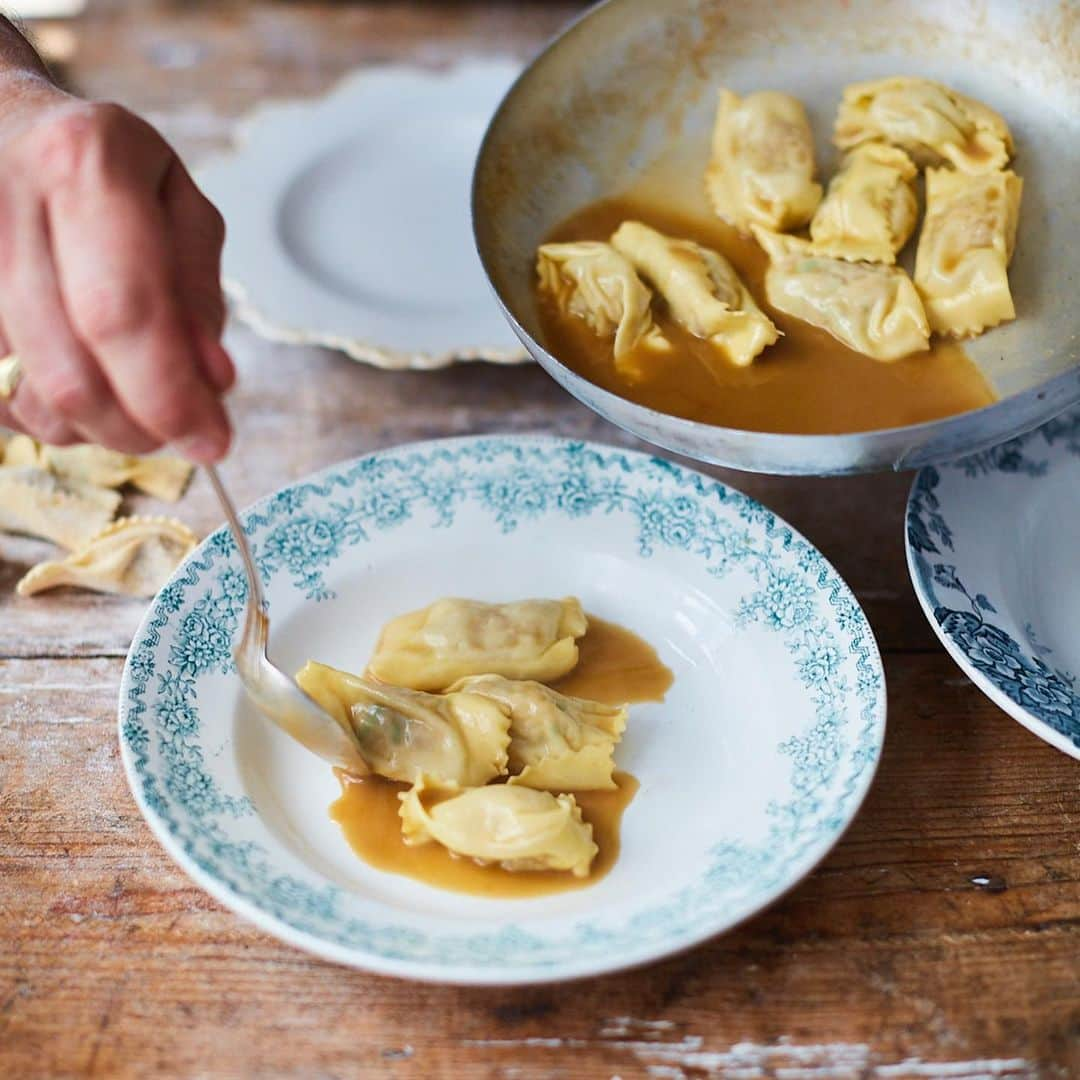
(348, 218)
(750, 770)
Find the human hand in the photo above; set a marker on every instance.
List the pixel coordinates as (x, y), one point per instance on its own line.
(109, 284)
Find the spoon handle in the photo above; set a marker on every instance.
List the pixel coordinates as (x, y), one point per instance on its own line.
(254, 584)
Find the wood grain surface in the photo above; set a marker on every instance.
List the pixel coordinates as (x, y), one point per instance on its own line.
(940, 938)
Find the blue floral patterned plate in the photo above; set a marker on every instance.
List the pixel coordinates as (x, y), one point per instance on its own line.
(993, 545)
(749, 772)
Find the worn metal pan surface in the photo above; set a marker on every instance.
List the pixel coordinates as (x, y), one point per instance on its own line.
(628, 92)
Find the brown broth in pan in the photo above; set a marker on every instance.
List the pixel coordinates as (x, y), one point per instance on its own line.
(808, 383)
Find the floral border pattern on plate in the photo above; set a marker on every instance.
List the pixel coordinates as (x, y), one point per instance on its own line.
(1024, 673)
(303, 529)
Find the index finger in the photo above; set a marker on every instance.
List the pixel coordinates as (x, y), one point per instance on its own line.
(117, 275)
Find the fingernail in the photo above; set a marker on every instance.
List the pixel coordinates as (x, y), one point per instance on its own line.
(202, 449)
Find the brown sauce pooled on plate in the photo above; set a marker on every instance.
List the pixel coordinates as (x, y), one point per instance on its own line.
(615, 666)
(368, 815)
(808, 383)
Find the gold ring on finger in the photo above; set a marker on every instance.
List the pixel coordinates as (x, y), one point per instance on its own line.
(11, 373)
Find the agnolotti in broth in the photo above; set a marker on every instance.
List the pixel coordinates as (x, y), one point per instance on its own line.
(932, 122)
(558, 743)
(870, 209)
(966, 245)
(517, 828)
(592, 281)
(702, 290)
(761, 171)
(872, 309)
(403, 734)
(433, 648)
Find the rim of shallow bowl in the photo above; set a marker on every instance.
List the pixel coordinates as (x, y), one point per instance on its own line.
(923, 587)
(478, 974)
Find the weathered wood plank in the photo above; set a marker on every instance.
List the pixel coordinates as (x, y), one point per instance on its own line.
(889, 953)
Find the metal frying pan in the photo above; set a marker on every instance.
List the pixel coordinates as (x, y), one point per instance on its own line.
(628, 92)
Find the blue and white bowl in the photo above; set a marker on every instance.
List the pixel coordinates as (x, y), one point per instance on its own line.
(993, 544)
(750, 771)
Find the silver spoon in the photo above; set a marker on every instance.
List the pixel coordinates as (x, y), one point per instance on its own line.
(273, 693)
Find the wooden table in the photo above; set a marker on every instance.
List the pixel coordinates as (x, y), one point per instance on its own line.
(889, 961)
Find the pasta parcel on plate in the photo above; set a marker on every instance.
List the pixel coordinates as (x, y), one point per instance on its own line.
(455, 638)
(492, 769)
